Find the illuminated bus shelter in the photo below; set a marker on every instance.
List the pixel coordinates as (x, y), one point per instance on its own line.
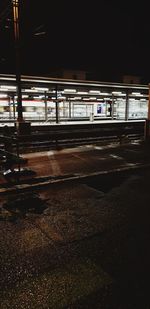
(58, 100)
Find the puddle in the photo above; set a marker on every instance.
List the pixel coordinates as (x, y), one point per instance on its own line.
(20, 206)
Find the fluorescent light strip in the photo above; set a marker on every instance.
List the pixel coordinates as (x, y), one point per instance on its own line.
(116, 92)
(5, 89)
(136, 93)
(24, 96)
(94, 92)
(120, 99)
(62, 98)
(30, 90)
(82, 92)
(3, 95)
(70, 90)
(40, 88)
(105, 93)
(72, 98)
(8, 87)
(77, 98)
(33, 104)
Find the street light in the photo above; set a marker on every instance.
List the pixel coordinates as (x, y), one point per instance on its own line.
(15, 4)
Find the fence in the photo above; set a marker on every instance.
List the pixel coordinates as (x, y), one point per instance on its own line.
(10, 159)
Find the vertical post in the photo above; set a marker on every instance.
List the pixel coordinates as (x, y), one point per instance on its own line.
(45, 101)
(18, 153)
(13, 101)
(105, 108)
(149, 104)
(127, 106)
(147, 121)
(86, 110)
(15, 4)
(57, 106)
(63, 109)
(69, 109)
(112, 106)
(73, 110)
(9, 98)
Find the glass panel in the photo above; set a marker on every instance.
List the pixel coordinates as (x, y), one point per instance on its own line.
(78, 110)
(138, 108)
(64, 109)
(120, 108)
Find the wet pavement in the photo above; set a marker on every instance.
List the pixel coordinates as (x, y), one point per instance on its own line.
(77, 245)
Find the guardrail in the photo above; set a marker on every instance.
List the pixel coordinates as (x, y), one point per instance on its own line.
(10, 159)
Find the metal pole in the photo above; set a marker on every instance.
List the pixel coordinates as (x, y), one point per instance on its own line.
(69, 109)
(64, 109)
(112, 111)
(127, 106)
(45, 101)
(147, 121)
(9, 99)
(57, 106)
(15, 4)
(18, 153)
(13, 100)
(149, 104)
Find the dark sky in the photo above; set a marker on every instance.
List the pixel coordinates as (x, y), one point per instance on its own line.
(107, 38)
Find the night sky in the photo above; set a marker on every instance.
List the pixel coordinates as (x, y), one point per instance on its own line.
(106, 38)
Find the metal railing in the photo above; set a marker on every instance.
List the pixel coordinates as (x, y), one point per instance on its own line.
(10, 154)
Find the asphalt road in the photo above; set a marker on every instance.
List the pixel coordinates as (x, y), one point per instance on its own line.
(77, 245)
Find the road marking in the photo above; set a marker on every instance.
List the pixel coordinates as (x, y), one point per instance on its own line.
(116, 157)
(54, 164)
